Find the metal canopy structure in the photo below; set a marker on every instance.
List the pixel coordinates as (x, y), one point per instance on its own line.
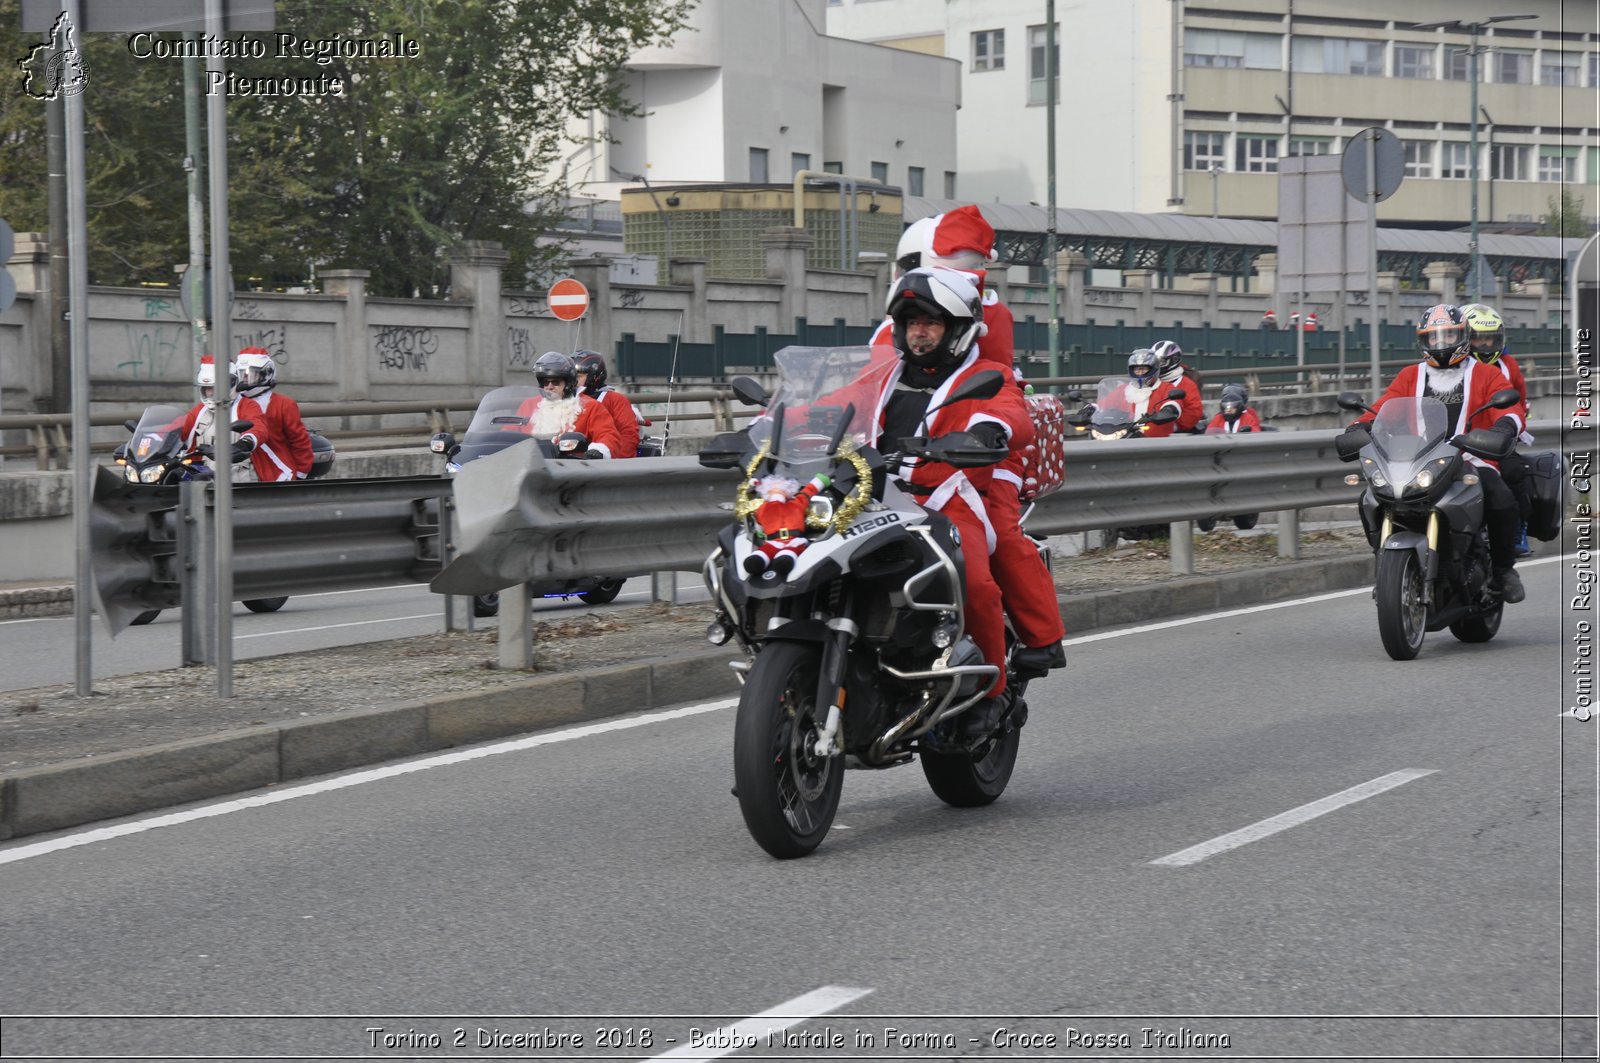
(1179, 244)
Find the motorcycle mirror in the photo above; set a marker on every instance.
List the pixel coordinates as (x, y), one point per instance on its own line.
(725, 451)
(243, 426)
(1177, 393)
(442, 443)
(1351, 400)
(130, 424)
(750, 392)
(984, 385)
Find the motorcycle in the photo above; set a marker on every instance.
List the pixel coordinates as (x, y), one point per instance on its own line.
(1242, 521)
(1423, 512)
(857, 654)
(1114, 417)
(500, 422)
(155, 454)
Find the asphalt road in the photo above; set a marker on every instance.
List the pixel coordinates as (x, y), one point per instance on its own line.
(601, 878)
(39, 652)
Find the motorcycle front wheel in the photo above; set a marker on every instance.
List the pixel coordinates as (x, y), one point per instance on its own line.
(970, 780)
(1402, 614)
(605, 593)
(265, 605)
(787, 794)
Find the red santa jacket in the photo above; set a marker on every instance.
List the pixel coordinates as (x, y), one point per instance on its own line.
(1152, 399)
(1247, 421)
(1192, 410)
(1478, 383)
(623, 419)
(197, 425)
(592, 420)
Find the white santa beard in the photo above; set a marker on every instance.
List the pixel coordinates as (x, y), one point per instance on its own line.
(1444, 381)
(554, 416)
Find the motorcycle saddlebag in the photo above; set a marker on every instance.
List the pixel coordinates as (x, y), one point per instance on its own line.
(1547, 493)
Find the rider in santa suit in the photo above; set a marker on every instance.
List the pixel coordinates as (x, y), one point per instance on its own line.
(283, 446)
(563, 408)
(963, 239)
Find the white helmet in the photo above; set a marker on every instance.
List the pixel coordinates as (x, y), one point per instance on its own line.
(914, 244)
(947, 294)
(207, 376)
(257, 371)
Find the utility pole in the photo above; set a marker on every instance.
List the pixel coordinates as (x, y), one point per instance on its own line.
(1050, 182)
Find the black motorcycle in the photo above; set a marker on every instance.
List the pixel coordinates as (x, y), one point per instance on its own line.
(500, 421)
(1423, 512)
(857, 652)
(1113, 416)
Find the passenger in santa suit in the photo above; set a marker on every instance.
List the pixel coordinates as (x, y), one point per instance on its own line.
(591, 367)
(563, 408)
(283, 446)
(963, 239)
(1192, 409)
(199, 424)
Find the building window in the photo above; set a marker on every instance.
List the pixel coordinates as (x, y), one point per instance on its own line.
(833, 167)
(1457, 64)
(880, 172)
(1311, 146)
(1038, 88)
(1414, 61)
(1419, 157)
(1336, 55)
(1513, 68)
(1455, 160)
(914, 180)
(798, 160)
(1203, 151)
(949, 184)
(989, 50)
(1509, 162)
(1256, 51)
(1255, 154)
(1558, 164)
(1559, 68)
(758, 166)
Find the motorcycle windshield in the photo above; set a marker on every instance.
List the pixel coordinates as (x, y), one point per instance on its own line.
(817, 386)
(502, 419)
(158, 433)
(1113, 406)
(1406, 430)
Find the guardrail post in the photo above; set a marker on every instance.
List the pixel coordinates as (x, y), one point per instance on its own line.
(1181, 539)
(664, 587)
(1289, 534)
(197, 563)
(457, 607)
(516, 629)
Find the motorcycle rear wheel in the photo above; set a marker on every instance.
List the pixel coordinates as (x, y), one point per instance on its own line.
(1402, 615)
(486, 604)
(1246, 521)
(965, 780)
(787, 794)
(265, 605)
(1480, 628)
(605, 593)
(144, 618)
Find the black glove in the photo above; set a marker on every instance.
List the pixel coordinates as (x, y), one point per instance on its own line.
(989, 434)
(1506, 425)
(242, 449)
(593, 455)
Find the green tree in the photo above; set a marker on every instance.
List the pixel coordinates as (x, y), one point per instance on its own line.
(414, 156)
(1565, 217)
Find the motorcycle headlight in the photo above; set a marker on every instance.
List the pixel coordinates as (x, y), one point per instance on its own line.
(820, 509)
(1425, 479)
(1370, 467)
(131, 473)
(152, 474)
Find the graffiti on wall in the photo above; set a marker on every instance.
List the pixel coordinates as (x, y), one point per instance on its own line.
(520, 345)
(275, 338)
(405, 348)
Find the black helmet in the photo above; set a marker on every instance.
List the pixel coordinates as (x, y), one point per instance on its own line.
(946, 294)
(1442, 335)
(592, 364)
(1170, 353)
(556, 366)
(1234, 399)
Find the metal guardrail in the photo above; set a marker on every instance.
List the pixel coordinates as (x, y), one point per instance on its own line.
(523, 518)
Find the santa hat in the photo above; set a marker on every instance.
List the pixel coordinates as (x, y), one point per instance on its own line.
(207, 377)
(962, 229)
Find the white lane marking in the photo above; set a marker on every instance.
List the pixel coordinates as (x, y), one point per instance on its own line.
(329, 627)
(1292, 818)
(1184, 621)
(24, 852)
(727, 1039)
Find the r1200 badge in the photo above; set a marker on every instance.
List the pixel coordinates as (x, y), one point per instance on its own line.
(867, 525)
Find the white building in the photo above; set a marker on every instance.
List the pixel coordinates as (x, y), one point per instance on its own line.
(1186, 105)
(754, 91)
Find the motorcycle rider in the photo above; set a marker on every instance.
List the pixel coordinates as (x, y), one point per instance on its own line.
(591, 368)
(198, 426)
(1192, 410)
(1487, 334)
(561, 407)
(963, 239)
(1145, 392)
(1464, 385)
(937, 316)
(283, 446)
(1235, 414)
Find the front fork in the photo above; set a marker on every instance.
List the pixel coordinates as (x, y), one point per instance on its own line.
(842, 631)
(1430, 567)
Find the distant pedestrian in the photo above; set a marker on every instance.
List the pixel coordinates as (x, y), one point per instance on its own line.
(1269, 320)
(1311, 322)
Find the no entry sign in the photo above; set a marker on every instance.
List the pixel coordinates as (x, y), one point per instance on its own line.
(569, 299)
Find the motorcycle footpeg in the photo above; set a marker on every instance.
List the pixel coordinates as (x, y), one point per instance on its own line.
(1015, 718)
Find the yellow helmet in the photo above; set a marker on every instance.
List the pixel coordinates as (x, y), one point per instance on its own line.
(1486, 332)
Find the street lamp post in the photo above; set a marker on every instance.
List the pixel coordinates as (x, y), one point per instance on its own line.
(1473, 29)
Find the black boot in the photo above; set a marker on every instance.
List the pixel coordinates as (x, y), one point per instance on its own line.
(1509, 584)
(1034, 662)
(983, 719)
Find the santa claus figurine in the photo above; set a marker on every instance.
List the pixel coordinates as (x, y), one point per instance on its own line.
(782, 519)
